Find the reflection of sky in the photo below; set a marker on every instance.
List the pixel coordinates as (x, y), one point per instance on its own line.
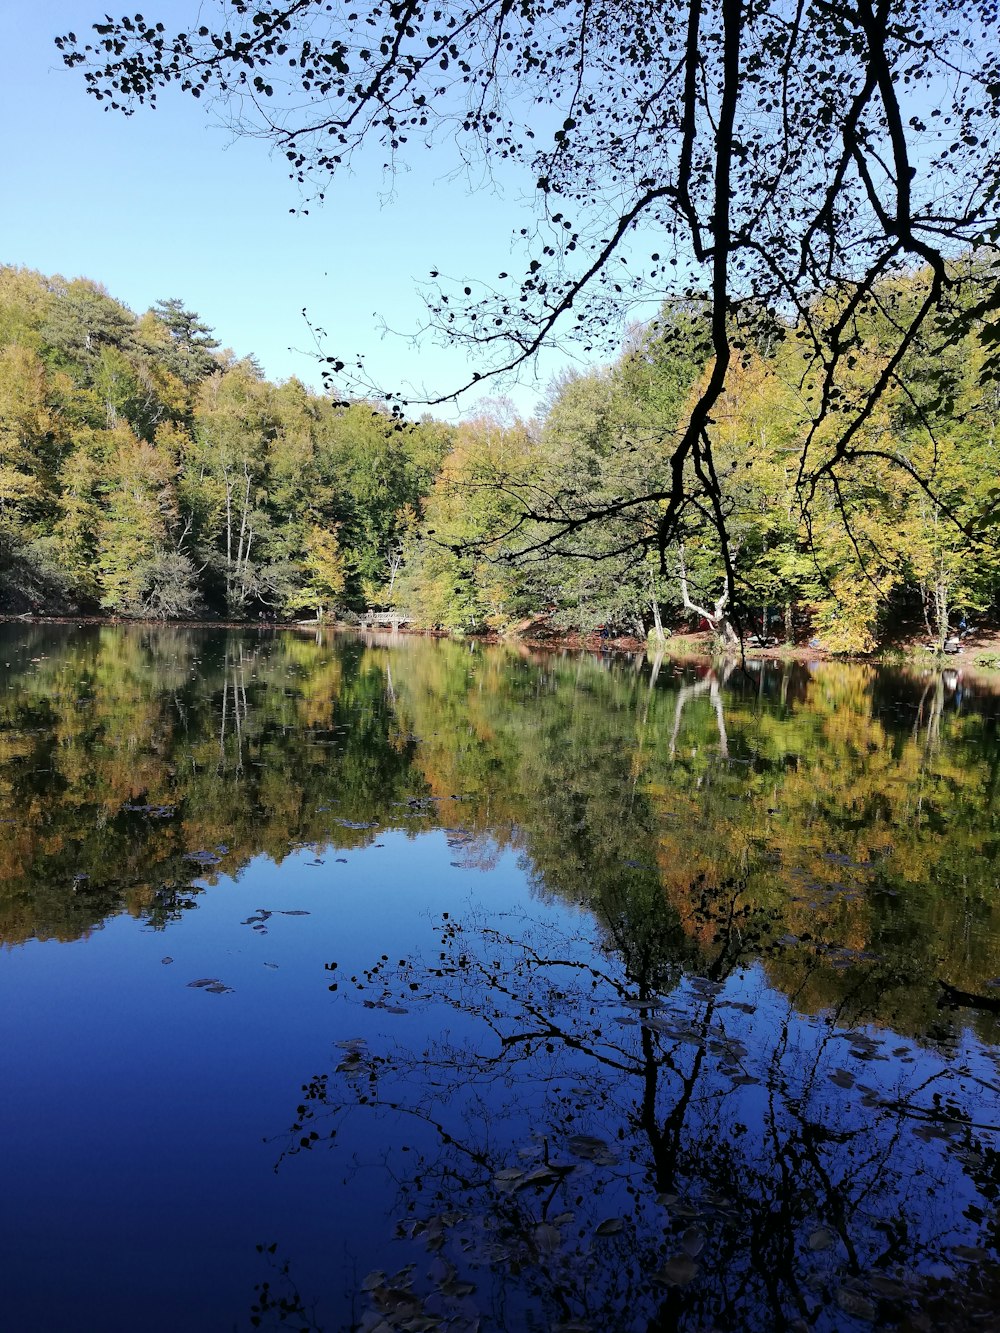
(147, 1115)
(135, 1109)
(783, 1114)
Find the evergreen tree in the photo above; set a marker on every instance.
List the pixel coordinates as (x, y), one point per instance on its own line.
(190, 352)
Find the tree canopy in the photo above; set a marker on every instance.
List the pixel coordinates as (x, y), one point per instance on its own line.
(771, 165)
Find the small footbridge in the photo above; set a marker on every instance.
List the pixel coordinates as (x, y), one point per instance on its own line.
(393, 620)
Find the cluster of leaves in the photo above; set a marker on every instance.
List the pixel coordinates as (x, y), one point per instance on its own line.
(147, 473)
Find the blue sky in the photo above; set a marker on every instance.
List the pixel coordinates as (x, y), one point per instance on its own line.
(165, 204)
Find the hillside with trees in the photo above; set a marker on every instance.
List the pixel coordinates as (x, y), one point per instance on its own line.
(145, 472)
(808, 193)
(906, 535)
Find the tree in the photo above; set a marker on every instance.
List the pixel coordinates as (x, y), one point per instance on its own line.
(191, 347)
(233, 426)
(327, 570)
(84, 321)
(772, 163)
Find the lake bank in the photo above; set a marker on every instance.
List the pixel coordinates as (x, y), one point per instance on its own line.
(980, 651)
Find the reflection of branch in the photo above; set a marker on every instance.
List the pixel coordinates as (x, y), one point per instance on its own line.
(685, 693)
(963, 999)
(669, 1105)
(720, 718)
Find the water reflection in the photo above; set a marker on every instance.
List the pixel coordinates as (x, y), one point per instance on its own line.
(610, 1146)
(736, 1067)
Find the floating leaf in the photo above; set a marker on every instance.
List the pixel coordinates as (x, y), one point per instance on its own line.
(547, 1238)
(677, 1272)
(541, 1175)
(887, 1287)
(693, 1242)
(853, 1303)
(509, 1173)
(843, 1078)
(609, 1227)
(970, 1253)
(589, 1147)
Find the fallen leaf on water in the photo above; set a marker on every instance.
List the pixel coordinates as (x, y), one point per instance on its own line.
(677, 1272)
(693, 1242)
(853, 1303)
(887, 1287)
(542, 1175)
(821, 1239)
(971, 1253)
(547, 1238)
(609, 1227)
(587, 1146)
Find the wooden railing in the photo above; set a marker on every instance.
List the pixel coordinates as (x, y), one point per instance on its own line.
(384, 619)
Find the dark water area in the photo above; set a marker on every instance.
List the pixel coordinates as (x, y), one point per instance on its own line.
(382, 984)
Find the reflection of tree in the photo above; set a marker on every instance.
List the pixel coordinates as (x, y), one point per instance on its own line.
(596, 1143)
(712, 683)
(123, 751)
(129, 757)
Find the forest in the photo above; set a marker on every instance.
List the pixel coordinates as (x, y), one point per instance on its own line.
(147, 473)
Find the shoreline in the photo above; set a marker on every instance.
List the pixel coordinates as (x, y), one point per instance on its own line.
(907, 652)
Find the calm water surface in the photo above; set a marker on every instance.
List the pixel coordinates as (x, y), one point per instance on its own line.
(410, 985)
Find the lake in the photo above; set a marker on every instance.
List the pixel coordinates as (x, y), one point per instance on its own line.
(389, 983)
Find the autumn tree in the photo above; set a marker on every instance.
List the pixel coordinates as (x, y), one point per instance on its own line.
(326, 571)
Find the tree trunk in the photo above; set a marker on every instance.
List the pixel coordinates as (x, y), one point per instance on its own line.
(941, 610)
(719, 622)
(657, 622)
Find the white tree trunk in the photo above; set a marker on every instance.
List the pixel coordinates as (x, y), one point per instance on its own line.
(717, 618)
